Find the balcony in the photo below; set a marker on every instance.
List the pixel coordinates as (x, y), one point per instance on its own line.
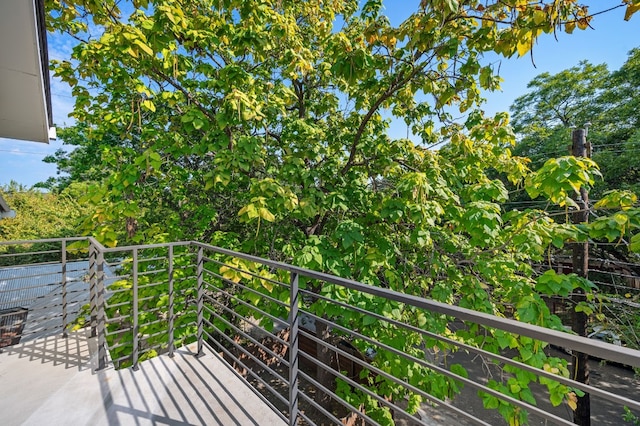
(188, 333)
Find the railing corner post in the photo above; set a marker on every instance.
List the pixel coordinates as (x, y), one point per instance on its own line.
(93, 252)
(100, 311)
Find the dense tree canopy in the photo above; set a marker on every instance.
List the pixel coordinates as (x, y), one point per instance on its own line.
(263, 126)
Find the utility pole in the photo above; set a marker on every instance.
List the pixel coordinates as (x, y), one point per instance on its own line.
(580, 258)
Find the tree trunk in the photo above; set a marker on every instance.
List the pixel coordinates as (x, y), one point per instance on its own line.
(324, 355)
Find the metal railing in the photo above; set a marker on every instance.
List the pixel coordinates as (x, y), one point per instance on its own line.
(43, 285)
(317, 347)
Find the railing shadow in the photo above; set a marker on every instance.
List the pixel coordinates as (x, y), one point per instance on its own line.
(183, 390)
(74, 351)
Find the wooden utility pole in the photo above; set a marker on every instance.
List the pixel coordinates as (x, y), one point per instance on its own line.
(582, 414)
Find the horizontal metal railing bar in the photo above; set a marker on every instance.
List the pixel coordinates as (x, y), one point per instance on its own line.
(444, 372)
(54, 305)
(582, 344)
(256, 342)
(33, 298)
(596, 348)
(17, 311)
(154, 272)
(159, 348)
(241, 318)
(139, 246)
(29, 265)
(113, 291)
(244, 271)
(333, 396)
(108, 305)
(152, 335)
(50, 317)
(122, 358)
(251, 338)
(250, 306)
(152, 284)
(29, 253)
(254, 291)
(33, 276)
(45, 274)
(44, 240)
(120, 345)
(380, 372)
(117, 277)
(252, 356)
(147, 298)
(116, 264)
(113, 320)
(306, 419)
(352, 382)
(188, 324)
(539, 372)
(151, 259)
(323, 410)
(146, 324)
(254, 375)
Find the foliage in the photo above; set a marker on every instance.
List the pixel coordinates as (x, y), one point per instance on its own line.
(586, 93)
(582, 94)
(263, 126)
(41, 215)
(629, 417)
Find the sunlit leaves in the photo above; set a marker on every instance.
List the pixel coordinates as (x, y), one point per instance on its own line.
(560, 178)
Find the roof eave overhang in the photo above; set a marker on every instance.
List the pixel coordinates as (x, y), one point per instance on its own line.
(25, 89)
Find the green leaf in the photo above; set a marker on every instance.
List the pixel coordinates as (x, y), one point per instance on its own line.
(635, 243)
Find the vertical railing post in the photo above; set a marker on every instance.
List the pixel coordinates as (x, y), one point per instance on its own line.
(171, 301)
(93, 252)
(199, 272)
(101, 320)
(293, 349)
(63, 260)
(134, 310)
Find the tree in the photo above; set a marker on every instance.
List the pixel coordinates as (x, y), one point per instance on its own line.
(586, 93)
(41, 215)
(263, 126)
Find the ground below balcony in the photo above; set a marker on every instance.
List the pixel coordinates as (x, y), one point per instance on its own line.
(52, 380)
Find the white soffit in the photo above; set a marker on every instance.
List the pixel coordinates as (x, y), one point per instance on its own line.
(25, 99)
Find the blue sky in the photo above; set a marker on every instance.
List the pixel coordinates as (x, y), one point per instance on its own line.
(609, 42)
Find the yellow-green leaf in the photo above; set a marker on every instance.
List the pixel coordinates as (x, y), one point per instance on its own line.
(631, 9)
(523, 46)
(266, 214)
(149, 105)
(142, 45)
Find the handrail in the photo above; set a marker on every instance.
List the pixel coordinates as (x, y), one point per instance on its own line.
(200, 298)
(592, 347)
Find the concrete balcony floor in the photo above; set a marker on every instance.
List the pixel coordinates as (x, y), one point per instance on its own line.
(51, 380)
